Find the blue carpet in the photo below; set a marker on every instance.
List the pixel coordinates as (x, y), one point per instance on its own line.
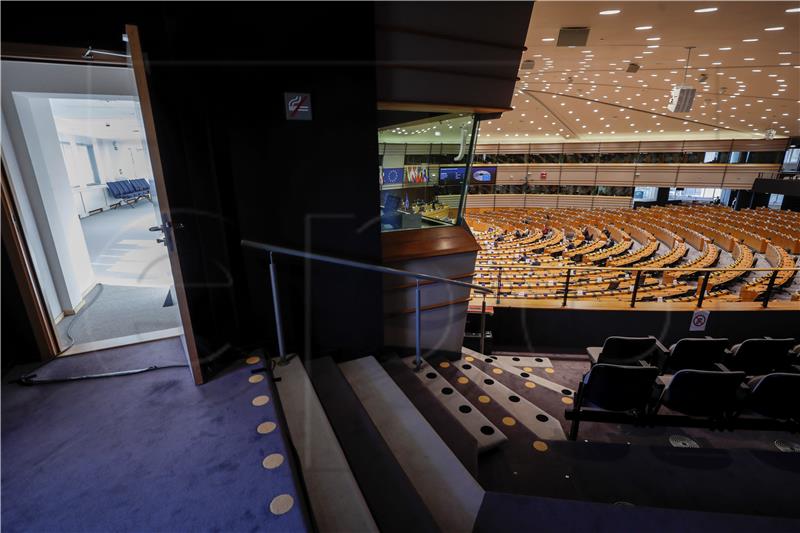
(149, 452)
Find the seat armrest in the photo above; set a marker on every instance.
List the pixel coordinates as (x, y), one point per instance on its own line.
(594, 353)
(661, 347)
(664, 380)
(768, 338)
(722, 367)
(644, 364)
(796, 368)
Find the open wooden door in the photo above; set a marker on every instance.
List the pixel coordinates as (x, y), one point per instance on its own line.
(160, 199)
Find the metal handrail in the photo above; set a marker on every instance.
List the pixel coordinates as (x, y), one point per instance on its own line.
(274, 249)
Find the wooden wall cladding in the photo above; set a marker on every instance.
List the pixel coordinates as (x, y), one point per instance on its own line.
(492, 201)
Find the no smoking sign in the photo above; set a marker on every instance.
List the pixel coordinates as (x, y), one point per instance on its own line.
(699, 320)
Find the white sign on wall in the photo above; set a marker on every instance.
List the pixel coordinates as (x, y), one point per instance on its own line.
(699, 320)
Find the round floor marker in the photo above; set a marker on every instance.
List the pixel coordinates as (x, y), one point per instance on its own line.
(253, 360)
(256, 378)
(447, 391)
(465, 409)
(525, 374)
(463, 380)
(466, 367)
(444, 364)
(281, 504)
(542, 418)
(508, 421)
(567, 400)
(487, 430)
(484, 399)
(538, 359)
(497, 371)
(787, 446)
(266, 427)
(273, 460)
(530, 384)
(260, 400)
(549, 370)
(488, 381)
(488, 360)
(513, 398)
(469, 359)
(681, 441)
(515, 358)
(431, 375)
(528, 369)
(566, 392)
(540, 446)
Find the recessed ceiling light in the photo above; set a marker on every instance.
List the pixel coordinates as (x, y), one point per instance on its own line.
(642, 28)
(702, 55)
(784, 53)
(750, 40)
(793, 10)
(548, 39)
(654, 38)
(749, 58)
(611, 12)
(774, 28)
(705, 10)
(725, 48)
(652, 46)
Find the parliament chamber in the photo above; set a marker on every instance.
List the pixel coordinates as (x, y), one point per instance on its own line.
(666, 255)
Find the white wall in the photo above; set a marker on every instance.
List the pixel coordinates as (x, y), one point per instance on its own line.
(49, 220)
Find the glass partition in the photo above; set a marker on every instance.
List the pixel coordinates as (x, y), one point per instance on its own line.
(424, 167)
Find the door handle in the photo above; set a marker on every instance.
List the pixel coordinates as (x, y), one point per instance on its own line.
(156, 228)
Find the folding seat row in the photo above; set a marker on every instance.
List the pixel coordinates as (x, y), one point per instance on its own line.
(129, 189)
(722, 396)
(753, 356)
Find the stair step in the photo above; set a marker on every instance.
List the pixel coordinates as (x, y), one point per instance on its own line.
(513, 360)
(450, 492)
(334, 496)
(541, 423)
(514, 370)
(391, 497)
(486, 434)
(458, 439)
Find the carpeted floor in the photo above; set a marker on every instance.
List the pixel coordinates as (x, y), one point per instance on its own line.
(122, 249)
(119, 311)
(149, 452)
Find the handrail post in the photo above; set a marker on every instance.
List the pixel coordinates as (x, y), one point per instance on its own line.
(703, 287)
(499, 283)
(483, 324)
(566, 288)
(770, 286)
(418, 327)
(636, 288)
(273, 276)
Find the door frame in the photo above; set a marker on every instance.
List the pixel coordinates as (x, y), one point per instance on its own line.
(14, 239)
(19, 257)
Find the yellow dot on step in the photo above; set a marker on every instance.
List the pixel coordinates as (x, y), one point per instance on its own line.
(463, 380)
(497, 371)
(444, 364)
(273, 460)
(540, 446)
(507, 420)
(528, 369)
(549, 370)
(530, 384)
(260, 400)
(266, 427)
(567, 400)
(256, 378)
(281, 504)
(253, 360)
(484, 399)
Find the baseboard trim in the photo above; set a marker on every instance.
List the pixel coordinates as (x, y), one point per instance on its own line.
(123, 341)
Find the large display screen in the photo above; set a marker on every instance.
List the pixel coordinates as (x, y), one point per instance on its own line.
(391, 176)
(449, 175)
(483, 175)
(417, 174)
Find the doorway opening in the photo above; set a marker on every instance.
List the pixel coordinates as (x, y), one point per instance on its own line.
(80, 173)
